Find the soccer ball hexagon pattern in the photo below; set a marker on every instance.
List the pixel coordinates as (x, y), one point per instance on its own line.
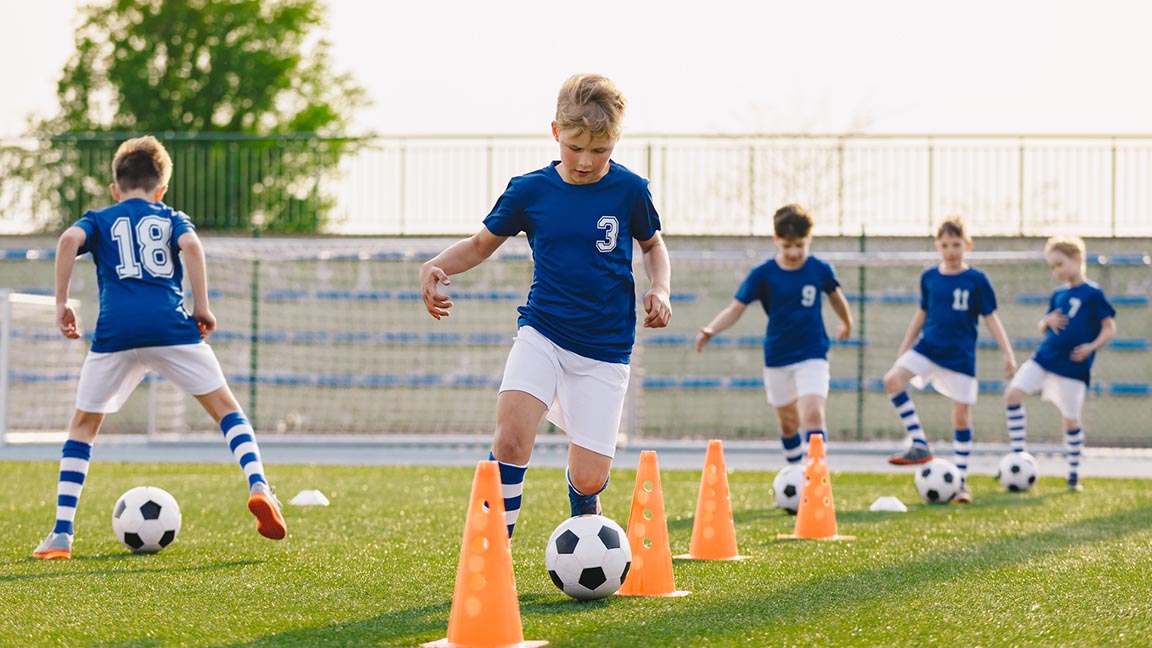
(786, 487)
(1018, 471)
(938, 481)
(588, 557)
(146, 519)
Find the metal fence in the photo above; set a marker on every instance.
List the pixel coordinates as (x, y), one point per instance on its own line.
(901, 185)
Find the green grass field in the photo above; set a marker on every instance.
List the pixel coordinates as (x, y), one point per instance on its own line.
(377, 567)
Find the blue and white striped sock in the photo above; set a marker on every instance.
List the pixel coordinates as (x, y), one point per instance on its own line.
(793, 448)
(584, 503)
(962, 446)
(907, 411)
(810, 433)
(242, 441)
(1073, 443)
(512, 487)
(1017, 427)
(73, 470)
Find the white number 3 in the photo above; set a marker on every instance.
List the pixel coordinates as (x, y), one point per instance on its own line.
(611, 228)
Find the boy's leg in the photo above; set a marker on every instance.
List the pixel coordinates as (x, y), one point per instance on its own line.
(518, 415)
(587, 477)
(791, 440)
(918, 451)
(1017, 419)
(221, 405)
(811, 408)
(1073, 444)
(962, 447)
(74, 460)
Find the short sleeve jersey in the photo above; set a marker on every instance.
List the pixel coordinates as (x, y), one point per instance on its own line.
(953, 304)
(139, 275)
(1086, 308)
(793, 301)
(583, 294)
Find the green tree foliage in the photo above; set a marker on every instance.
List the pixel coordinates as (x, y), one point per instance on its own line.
(241, 91)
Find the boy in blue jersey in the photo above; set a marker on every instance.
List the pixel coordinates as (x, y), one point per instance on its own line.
(571, 352)
(136, 246)
(1079, 322)
(940, 348)
(789, 288)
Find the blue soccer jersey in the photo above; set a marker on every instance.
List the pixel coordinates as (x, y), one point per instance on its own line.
(583, 295)
(793, 301)
(1086, 308)
(139, 275)
(953, 304)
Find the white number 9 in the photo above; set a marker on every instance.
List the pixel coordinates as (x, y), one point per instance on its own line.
(808, 295)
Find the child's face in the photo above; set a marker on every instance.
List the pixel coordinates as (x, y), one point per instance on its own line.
(794, 250)
(1064, 267)
(952, 248)
(584, 160)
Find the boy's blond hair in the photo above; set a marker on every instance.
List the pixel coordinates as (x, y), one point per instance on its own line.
(591, 103)
(1071, 247)
(792, 221)
(141, 163)
(954, 226)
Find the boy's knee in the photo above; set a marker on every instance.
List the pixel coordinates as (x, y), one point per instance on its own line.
(1013, 397)
(511, 449)
(893, 383)
(586, 480)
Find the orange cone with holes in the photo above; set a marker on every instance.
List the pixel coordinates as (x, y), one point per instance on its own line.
(713, 529)
(485, 609)
(651, 571)
(816, 516)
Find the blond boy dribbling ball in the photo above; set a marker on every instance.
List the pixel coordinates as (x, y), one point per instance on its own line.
(575, 334)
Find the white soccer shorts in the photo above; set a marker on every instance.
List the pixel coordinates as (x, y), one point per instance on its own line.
(784, 385)
(108, 379)
(585, 396)
(959, 387)
(1067, 394)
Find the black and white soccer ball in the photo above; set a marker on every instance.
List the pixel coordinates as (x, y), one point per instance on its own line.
(1018, 471)
(938, 481)
(787, 486)
(146, 519)
(588, 557)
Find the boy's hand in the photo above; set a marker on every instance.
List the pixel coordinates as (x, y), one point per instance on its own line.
(659, 309)
(703, 337)
(1009, 364)
(66, 321)
(843, 331)
(430, 278)
(1081, 352)
(205, 321)
(1056, 321)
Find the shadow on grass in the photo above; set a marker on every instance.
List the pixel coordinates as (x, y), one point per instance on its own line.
(120, 557)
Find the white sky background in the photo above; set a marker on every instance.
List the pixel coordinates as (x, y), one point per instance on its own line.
(464, 66)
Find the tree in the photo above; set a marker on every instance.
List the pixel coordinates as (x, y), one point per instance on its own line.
(242, 90)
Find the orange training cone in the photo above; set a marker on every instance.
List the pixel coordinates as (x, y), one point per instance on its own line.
(713, 530)
(485, 610)
(651, 572)
(816, 516)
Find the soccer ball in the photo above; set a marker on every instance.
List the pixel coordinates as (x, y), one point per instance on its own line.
(787, 487)
(588, 557)
(146, 519)
(938, 481)
(1018, 471)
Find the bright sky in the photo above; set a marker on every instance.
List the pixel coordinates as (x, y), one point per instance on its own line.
(461, 66)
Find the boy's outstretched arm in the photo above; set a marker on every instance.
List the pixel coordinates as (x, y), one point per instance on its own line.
(1001, 337)
(1107, 332)
(67, 246)
(721, 322)
(839, 304)
(659, 270)
(914, 328)
(192, 252)
(461, 256)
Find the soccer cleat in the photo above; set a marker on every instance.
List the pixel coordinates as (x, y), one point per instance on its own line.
(964, 496)
(266, 507)
(55, 546)
(915, 454)
(1074, 486)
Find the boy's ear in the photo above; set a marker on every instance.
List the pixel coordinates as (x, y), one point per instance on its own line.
(968, 245)
(555, 132)
(160, 191)
(115, 191)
